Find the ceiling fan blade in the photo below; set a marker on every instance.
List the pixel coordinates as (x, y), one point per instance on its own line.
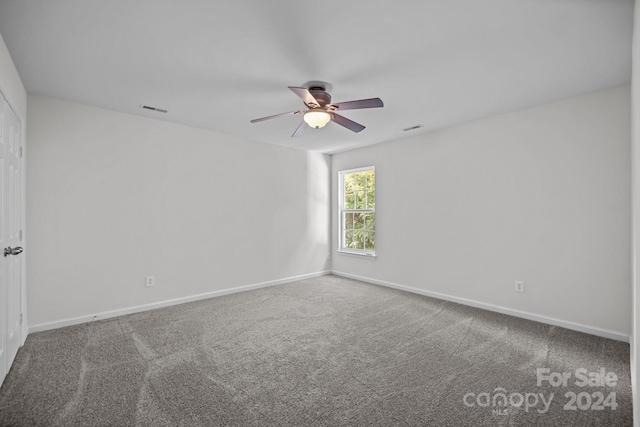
(276, 115)
(305, 95)
(301, 129)
(361, 103)
(349, 124)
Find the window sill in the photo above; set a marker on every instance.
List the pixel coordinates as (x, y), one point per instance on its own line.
(356, 254)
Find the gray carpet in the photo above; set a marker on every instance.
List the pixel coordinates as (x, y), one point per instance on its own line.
(320, 352)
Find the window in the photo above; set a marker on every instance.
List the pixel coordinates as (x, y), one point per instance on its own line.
(358, 211)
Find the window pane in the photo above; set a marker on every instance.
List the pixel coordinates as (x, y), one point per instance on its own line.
(358, 239)
(369, 222)
(360, 178)
(349, 201)
(348, 183)
(371, 179)
(358, 221)
(348, 239)
(360, 200)
(371, 199)
(370, 241)
(370, 189)
(348, 221)
(348, 191)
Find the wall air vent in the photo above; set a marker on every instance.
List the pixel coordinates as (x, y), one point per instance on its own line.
(413, 128)
(159, 110)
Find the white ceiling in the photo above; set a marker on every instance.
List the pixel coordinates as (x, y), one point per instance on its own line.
(218, 64)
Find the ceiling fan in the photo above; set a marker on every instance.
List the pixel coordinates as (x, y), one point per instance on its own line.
(320, 109)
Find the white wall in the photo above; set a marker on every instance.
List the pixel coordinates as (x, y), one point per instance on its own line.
(112, 198)
(10, 82)
(635, 185)
(13, 90)
(540, 195)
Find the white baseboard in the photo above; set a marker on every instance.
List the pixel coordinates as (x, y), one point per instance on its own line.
(464, 301)
(151, 306)
(618, 336)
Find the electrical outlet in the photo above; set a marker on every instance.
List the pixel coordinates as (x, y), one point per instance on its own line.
(149, 281)
(519, 286)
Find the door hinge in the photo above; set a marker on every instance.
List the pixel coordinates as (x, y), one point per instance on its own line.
(21, 318)
(20, 151)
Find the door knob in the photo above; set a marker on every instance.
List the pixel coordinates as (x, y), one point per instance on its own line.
(12, 251)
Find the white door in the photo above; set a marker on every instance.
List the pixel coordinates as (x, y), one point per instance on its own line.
(10, 235)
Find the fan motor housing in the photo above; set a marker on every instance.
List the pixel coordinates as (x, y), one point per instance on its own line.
(320, 95)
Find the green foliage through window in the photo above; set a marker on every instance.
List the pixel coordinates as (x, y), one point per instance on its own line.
(358, 210)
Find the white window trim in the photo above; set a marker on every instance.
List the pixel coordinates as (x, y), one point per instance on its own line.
(341, 250)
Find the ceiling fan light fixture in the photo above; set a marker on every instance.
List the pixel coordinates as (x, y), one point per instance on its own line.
(320, 110)
(317, 118)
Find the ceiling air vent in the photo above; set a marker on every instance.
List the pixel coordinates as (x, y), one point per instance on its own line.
(413, 128)
(159, 110)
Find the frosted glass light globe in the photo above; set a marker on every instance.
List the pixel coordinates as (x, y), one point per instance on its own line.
(317, 118)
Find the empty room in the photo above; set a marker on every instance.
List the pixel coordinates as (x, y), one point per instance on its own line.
(292, 213)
